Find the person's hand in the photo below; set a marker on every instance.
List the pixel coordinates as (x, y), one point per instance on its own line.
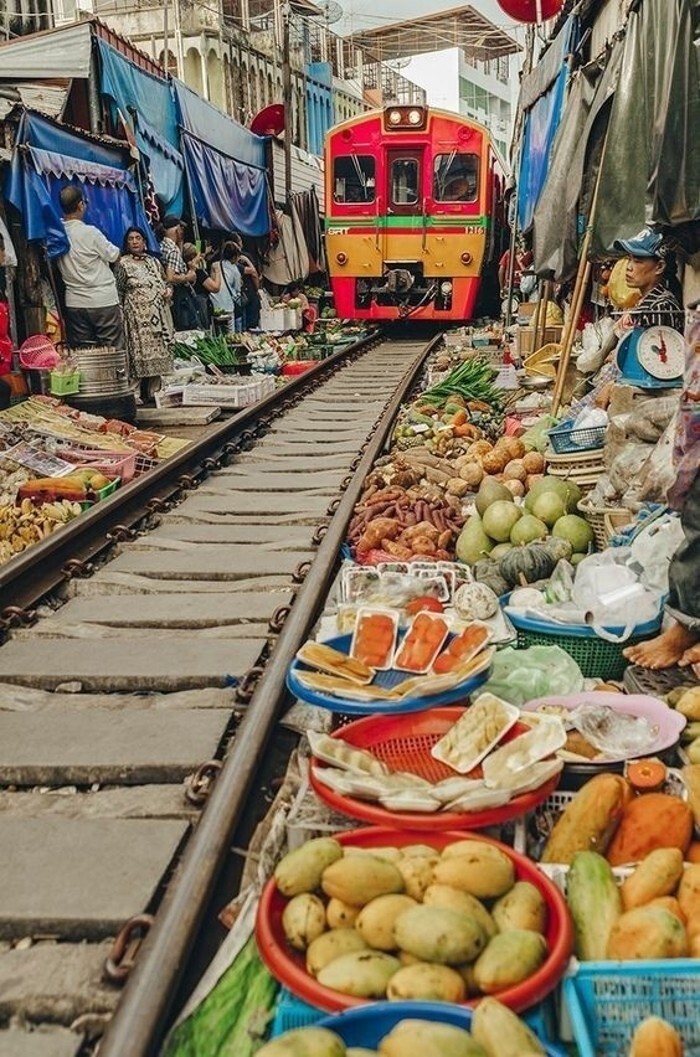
(624, 323)
(168, 294)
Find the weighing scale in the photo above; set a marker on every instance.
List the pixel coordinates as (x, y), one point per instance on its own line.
(652, 358)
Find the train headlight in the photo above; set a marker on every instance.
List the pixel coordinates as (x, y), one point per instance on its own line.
(414, 117)
(341, 258)
(466, 258)
(394, 117)
(446, 288)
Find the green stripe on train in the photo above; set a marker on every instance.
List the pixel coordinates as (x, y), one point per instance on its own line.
(410, 222)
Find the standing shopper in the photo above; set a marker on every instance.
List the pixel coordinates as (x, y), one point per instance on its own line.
(228, 298)
(178, 274)
(93, 315)
(145, 295)
(205, 283)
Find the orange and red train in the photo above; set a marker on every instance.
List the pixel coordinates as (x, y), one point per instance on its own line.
(414, 214)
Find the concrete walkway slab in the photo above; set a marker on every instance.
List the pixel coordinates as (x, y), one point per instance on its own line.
(138, 801)
(80, 879)
(162, 637)
(256, 479)
(55, 982)
(265, 537)
(207, 562)
(31, 699)
(254, 503)
(106, 583)
(192, 610)
(129, 664)
(273, 462)
(294, 442)
(131, 748)
(44, 1042)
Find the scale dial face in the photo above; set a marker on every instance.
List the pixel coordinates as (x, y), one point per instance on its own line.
(661, 352)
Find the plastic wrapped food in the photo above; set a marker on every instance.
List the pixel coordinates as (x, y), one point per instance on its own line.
(339, 753)
(475, 733)
(614, 733)
(546, 736)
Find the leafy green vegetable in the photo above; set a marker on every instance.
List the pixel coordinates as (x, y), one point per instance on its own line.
(232, 1019)
(212, 349)
(472, 380)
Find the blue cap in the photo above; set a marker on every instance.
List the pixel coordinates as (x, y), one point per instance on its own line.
(646, 244)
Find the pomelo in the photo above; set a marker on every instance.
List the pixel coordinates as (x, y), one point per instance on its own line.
(578, 532)
(491, 491)
(499, 519)
(568, 491)
(528, 529)
(549, 506)
(473, 544)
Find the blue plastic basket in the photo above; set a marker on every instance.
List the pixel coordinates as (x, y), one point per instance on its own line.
(565, 439)
(291, 1012)
(607, 1000)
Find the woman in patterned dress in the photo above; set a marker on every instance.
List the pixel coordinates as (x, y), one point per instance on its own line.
(144, 295)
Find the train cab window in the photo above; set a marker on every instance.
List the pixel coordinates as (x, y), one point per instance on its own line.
(455, 177)
(404, 181)
(353, 178)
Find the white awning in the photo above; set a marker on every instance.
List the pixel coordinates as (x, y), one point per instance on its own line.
(57, 53)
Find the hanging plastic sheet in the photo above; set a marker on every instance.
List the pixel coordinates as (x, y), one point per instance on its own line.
(651, 171)
(542, 97)
(556, 218)
(42, 170)
(225, 166)
(146, 102)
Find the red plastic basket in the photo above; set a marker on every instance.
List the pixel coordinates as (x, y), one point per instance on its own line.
(298, 367)
(403, 743)
(38, 353)
(288, 966)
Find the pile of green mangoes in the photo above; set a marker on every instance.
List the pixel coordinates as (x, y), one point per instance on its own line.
(412, 922)
(495, 1032)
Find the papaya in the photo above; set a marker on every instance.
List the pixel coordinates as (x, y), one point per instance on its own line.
(647, 933)
(589, 822)
(655, 1037)
(655, 820)
(595, 904)
(657, 875)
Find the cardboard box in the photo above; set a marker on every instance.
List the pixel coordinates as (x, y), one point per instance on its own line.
(526, 339)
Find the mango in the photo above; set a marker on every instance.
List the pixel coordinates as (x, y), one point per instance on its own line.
(647, 932)
(303, 920)
(426, 1038)
(444, 896)
(478, 868)
(420, 851)
(657, 875)
(521, 908)
(331, 945)
(358, 879)
(362, 974)
(375, 922)
(360, 1051)
(437, 934)
(305, 1042)
(417, 874)
(509, 959)
(428, 983)
(341, 915)
(501, 1032)
(689, 704)
(389, 854)
(301, 870)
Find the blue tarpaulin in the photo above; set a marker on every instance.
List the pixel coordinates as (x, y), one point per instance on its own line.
(542, 98)
(225, 167)
(146, 102)
(53, 158)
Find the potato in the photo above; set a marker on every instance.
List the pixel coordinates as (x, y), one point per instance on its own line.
(358, 879)
(362, 974)
(301, 870)
(480, 869)
(427, 1038)
(375, 922)
(509, 959)
(305, 1042)
(331, 945)
(657, 875)
(647, 932)
(303, 920)
(427, 983)
(453, 899)
(341, 915)
(436, 934)
(417, 874)
(521, 908)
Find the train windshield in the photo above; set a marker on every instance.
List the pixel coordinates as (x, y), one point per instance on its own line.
(353, 178)
(404, 181)
(455, 177)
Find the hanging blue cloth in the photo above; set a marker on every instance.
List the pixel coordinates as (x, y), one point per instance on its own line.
(39, 173)
(146, 102)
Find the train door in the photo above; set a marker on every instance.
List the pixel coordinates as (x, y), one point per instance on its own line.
(405, 203)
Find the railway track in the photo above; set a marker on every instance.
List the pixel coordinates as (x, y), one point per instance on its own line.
(150, 639)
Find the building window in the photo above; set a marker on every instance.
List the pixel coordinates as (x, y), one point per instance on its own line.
(404, 181)
(455, 177)
(353, 178)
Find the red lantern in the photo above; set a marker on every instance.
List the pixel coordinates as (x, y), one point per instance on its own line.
(531, 10)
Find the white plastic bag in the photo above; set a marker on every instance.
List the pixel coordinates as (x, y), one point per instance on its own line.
(610, 594)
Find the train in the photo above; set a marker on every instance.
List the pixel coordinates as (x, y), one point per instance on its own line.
(414, 215)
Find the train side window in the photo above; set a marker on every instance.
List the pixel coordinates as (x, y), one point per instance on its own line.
(353, 178)
(455, 177)
(404, 181)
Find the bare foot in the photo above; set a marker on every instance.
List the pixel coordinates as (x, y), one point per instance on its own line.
(691, 656)
(665, 650)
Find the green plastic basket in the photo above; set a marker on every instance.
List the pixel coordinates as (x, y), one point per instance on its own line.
(596, 658)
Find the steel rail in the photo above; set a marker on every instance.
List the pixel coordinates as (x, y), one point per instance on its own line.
(139, 1024)
(36, 571)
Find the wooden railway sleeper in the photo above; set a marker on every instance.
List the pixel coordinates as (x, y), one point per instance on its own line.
(120, 960)
(247, 685)
(199, 785)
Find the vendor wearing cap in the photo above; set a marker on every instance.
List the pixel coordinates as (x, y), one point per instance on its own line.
(651, 268)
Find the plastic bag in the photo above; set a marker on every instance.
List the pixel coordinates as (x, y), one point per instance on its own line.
(653, 548)
(597, 340)
(518, 676)
(536, 439)
(611, 595)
